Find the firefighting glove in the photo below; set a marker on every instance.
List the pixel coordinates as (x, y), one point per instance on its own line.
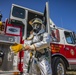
(16, 48)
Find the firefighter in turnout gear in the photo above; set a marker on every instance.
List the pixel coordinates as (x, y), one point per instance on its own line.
(38, 44)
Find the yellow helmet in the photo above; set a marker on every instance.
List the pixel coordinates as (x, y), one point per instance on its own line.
(0, 23)
(35, 20)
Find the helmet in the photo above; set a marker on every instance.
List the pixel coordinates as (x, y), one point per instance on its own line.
(35, 20)
(36, 24)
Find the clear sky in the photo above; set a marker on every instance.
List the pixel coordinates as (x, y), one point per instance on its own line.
(62, 12)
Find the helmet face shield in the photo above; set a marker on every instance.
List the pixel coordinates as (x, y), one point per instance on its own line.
(36, 24)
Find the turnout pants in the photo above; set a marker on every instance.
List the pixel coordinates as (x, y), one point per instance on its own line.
(40, 66)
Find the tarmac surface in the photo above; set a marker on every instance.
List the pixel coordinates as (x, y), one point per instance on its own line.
(71, 73)
(67, 73)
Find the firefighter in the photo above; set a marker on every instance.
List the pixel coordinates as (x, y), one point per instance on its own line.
(39, 47)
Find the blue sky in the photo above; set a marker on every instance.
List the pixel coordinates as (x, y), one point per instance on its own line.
(62, 12)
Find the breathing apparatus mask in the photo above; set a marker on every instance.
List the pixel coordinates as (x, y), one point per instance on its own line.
(36, 27)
